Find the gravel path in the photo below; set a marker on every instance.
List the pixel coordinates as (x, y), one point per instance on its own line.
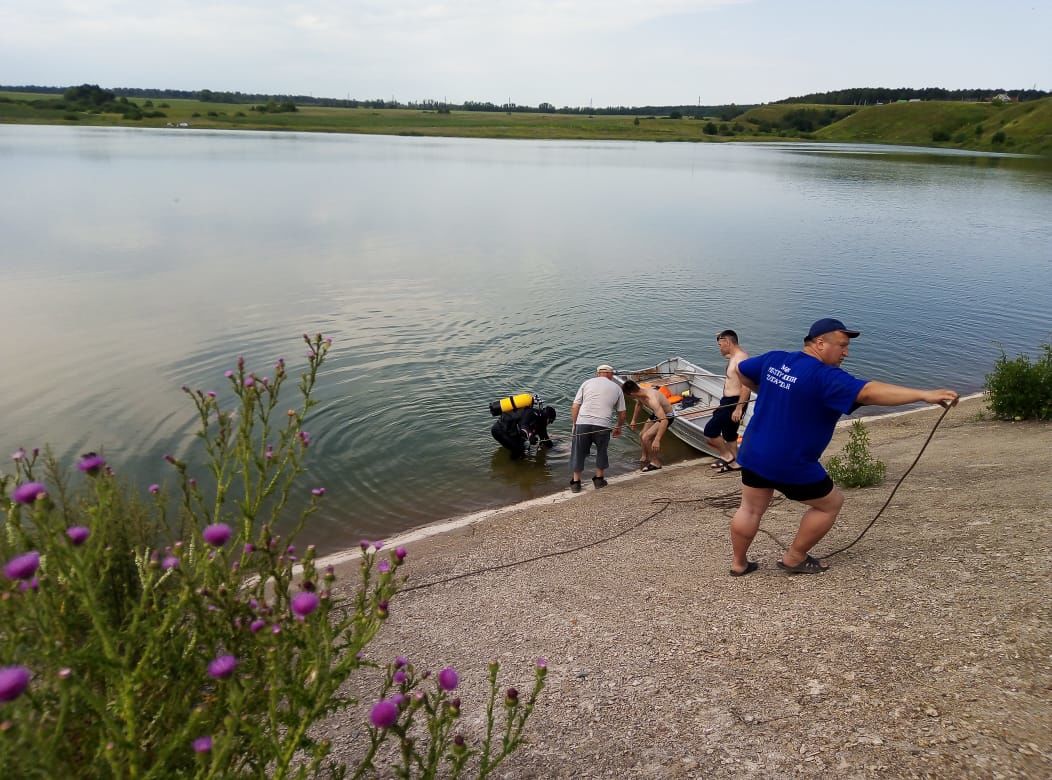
(925, 651)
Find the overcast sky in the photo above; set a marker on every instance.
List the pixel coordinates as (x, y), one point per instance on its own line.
(566, 52)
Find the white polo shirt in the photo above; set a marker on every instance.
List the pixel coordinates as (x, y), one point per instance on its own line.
(599, 398)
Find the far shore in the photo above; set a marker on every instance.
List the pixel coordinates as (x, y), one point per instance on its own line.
(922, 652)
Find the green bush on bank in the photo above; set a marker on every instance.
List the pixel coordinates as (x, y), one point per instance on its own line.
(130, 650)
(1019, 389)
(857, 468)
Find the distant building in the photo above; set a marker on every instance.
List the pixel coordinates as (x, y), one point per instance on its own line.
(1003, 97)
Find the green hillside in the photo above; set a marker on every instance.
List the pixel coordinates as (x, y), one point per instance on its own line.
(1024, 128)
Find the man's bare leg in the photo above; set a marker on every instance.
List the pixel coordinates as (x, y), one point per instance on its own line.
(815, 524)
(746, 522)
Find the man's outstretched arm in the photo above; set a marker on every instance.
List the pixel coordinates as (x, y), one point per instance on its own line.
(884, 394)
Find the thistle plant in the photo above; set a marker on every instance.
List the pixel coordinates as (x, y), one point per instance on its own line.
(857, 467)
(138, 644)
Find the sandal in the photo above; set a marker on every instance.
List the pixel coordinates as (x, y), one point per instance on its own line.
(651, 467)
(727, 468)
(808, 565)
(717, 464)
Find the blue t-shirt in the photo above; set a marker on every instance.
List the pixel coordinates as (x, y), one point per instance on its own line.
(799, 400)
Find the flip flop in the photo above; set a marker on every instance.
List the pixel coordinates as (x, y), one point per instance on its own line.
(750, 567)
(717, 464)
(808, 565)
(650, 467)
(727, 468)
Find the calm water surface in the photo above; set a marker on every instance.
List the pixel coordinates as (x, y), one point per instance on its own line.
(451, 272)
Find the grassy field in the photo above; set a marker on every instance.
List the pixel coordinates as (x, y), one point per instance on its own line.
(1016, 127)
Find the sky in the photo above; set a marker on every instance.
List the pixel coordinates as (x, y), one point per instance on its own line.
(564, 52)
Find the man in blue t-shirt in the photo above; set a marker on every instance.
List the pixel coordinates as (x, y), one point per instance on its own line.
(801, 395)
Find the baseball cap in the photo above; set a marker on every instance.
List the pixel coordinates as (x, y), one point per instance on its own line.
(827, 325)
(605, 367)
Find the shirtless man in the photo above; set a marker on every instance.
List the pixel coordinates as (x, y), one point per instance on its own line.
(654, 428)
(722, 430)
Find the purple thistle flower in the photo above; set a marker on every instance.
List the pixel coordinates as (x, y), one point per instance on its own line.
(33, 585)
(217, 534)
(203, 744)
(399, 677)
(448, 679)
(378, 544)
(211, 393)
(305, 439)
(22, 567)
(256, 625)
(249, 548)
(78, 534)
(275, 629)
(154, 488)
(14, 680)
(383, 567)
(269, 453)
(65, 673)
(250, 380)
(364, 544)
(222, 667)
(170, 562)
(29, 492)
(400, 553)
(91, 463)
(303, 604)
(400, 661)
(318, 491)
(384, 714)
(542, 663)
(18, 454)
(228, 373)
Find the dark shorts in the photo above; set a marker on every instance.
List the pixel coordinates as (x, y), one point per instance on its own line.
(669, 417)
(721, 423)
(806, 492)
(584, 436)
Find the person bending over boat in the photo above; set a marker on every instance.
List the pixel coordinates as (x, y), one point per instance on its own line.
(514, 429)
(801, 395)
(661, 416)
(721, 431)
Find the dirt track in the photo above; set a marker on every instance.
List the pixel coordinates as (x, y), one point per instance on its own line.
(925, 651)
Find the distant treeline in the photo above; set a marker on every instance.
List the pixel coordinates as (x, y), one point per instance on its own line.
(867, 96)
(844, 97)
(728, 111)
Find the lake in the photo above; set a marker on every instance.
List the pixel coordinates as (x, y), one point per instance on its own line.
(451, 272)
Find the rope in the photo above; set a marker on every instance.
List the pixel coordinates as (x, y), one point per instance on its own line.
(894, 490)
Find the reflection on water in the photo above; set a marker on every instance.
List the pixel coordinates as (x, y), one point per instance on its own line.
(451, 272)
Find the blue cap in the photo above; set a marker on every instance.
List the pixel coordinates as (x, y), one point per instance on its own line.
(828, 325)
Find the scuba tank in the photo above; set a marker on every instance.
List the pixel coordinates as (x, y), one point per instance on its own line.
(511, 403)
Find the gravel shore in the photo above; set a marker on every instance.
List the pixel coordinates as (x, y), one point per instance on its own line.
(925, 651)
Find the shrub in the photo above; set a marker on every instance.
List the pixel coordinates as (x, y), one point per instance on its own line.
(1019, 389)
(709, 128)
(675, 114)
(857, 467)
(939, 136)
(139, 652)
(998, 137)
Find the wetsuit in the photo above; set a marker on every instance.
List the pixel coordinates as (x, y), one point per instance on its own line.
(514, 429)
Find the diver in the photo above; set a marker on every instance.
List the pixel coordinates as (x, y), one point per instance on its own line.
(515, 428)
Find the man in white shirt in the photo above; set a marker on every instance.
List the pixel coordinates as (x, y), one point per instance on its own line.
(596, 400)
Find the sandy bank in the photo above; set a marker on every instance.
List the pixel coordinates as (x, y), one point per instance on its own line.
(925, 651)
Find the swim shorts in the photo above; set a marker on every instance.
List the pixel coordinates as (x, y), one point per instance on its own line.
(806, 492)
(721, 423)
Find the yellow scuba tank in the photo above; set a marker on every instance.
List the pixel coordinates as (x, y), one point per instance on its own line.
(511, 403)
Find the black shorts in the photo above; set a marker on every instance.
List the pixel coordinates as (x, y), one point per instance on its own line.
(669, 417)
(806, 492)
(721, 423)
